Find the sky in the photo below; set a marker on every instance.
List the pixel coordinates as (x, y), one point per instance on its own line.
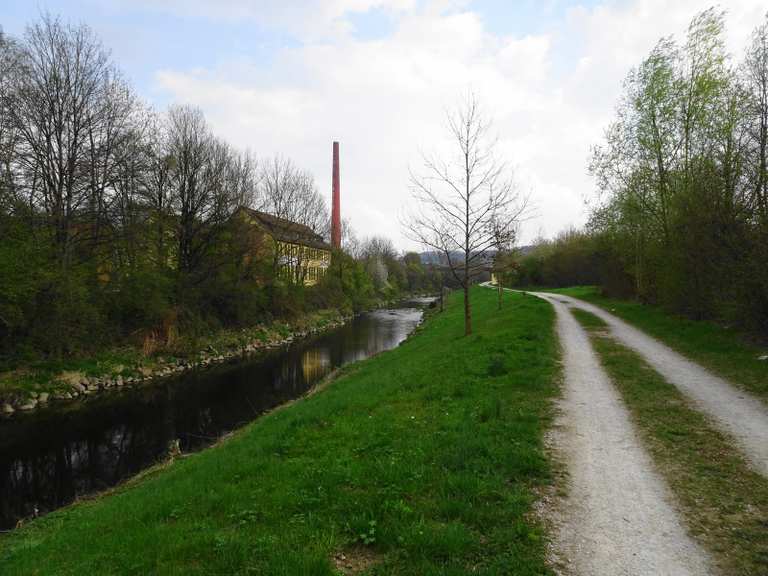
(289, 77)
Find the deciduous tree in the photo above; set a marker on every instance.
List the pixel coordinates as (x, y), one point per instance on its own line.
(465, 199)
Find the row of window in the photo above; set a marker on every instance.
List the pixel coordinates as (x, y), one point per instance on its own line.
(311, 274)
(314, 273)
(306, 252)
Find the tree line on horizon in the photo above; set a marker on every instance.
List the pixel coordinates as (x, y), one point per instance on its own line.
(682, 215)
(115, 218)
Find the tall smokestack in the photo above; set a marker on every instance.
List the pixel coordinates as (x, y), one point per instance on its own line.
(336, 210)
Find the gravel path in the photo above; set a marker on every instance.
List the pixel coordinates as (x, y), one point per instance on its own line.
(618, 518)
(735, 412)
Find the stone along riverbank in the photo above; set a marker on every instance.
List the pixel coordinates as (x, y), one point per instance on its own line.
(74, 385)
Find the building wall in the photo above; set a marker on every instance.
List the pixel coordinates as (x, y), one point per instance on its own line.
(299, 263)
(295, 262)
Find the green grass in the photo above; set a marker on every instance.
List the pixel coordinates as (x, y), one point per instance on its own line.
(724, 502)
(589, 320)
(41, 376)
(423, 460)
(723, 350)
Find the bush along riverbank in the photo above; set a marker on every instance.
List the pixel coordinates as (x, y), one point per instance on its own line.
(26, 390)
(425, 459)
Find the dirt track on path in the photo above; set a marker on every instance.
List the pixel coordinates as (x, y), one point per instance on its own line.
(735, 412)
(618, 518)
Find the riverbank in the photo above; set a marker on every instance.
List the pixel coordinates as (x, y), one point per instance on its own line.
(28, 389)
(422, 460)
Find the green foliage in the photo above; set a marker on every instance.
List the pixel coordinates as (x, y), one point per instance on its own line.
(140, 233)
(138, 300)
(65, 320)
(573, 258)
(52, 312)
(345, 286)
(287, 299)
(416, 276)
(44, 309)
(683, 219)
(23, 266)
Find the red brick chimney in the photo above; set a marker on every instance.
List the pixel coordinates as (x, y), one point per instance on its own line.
(336, 209)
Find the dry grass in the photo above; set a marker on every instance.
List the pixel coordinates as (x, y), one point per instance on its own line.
(355, 560)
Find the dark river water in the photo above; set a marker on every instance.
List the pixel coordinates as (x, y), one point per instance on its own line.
(49, 458)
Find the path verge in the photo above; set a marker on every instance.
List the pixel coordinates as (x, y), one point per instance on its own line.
(618, 517)
(732, 355)
(737, 413)
(724, 502)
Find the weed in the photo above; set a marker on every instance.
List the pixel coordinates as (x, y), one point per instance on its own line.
(497, 366)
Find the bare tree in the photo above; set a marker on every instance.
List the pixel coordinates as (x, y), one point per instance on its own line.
(466, 201)
(290, 193)
(127, 211)
(60, 106)
(111, 136)
(201, 168)
(243, 178)
(755, 75)
(505, 237)
(9, 69)
(157, 195)
(350, 243)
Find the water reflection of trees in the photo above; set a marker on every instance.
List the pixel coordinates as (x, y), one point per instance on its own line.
(47, 461)
(54, 477)
(378, 331)
(315, 363)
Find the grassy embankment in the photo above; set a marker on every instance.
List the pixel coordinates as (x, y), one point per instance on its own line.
(724, 502)
(127, 361)
(723, 350)
(422, 460)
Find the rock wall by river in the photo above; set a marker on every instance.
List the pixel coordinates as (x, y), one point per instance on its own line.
(76, 387)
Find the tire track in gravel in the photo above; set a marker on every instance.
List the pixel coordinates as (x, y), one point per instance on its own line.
(618, 517)
(737, 413)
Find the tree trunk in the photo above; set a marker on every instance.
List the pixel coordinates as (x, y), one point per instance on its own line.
(500, 288)
(467, 311)
(442, 290)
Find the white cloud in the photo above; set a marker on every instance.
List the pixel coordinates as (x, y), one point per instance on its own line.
(308, 18)
(551, 95)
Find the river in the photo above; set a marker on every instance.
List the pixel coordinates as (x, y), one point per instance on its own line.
(50, 458)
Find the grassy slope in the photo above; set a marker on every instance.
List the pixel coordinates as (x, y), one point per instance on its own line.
(725, 503)
(425, 457)
(722, 350)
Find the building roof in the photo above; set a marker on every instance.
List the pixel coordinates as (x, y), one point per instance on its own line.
(288, 231)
